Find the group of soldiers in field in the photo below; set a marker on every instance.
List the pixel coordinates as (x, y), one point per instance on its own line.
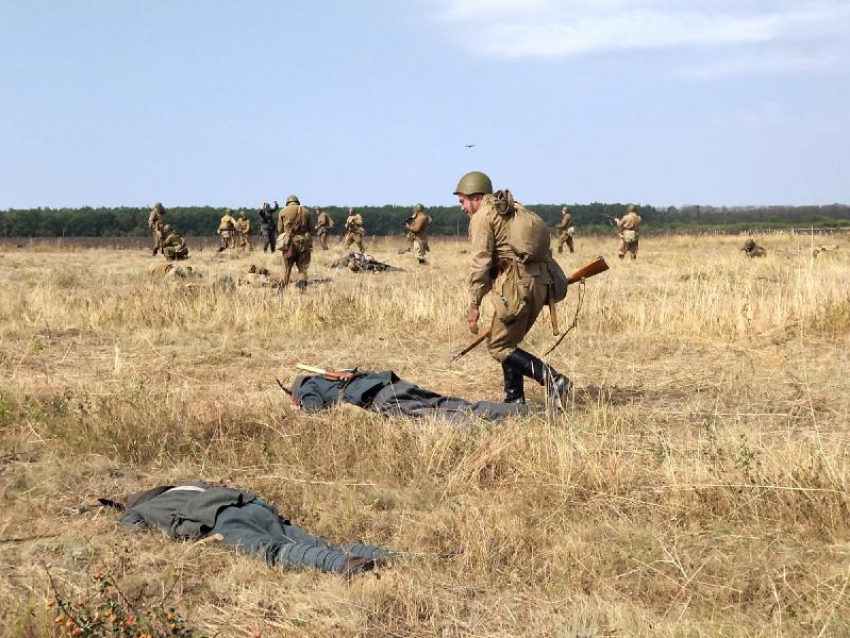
(495, 263)
(282, 230)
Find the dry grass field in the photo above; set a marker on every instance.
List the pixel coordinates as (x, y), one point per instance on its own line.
(697, 485)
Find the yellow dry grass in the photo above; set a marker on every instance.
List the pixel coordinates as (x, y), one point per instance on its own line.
(698, 484)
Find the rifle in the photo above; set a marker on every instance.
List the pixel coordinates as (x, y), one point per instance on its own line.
(470, 347)
(331, 375)
(612, 221)
(587, 271)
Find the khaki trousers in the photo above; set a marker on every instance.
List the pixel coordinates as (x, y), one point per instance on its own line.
(505, 337)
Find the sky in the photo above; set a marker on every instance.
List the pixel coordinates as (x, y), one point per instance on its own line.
(372, 102)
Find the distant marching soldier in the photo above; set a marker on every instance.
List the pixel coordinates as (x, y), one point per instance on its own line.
(324, 223)
(296, 227)
(226, 228)
(156, 222)
(243, 227)
(567, 229)
(268, 227)
(628, 226)
(417, 228)
(354, 230)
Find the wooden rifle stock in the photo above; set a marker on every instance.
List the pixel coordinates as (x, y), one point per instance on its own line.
(587, 271)
(330, 375)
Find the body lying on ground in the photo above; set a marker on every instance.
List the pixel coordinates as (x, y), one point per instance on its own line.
(385, 393)
(198, 510)
(360, 262)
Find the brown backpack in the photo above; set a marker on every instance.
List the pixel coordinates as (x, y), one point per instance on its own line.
(528, 234)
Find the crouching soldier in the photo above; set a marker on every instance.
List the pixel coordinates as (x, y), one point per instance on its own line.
(520, 281)
(174, 246)
(197, 510)
(752, 249)
(295, 227)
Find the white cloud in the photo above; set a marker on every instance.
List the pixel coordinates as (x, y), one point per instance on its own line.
(765, 62)
(547, 28)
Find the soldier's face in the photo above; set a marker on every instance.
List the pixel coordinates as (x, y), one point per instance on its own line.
(469, 204)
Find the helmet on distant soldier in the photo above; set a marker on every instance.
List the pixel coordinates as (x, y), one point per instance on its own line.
(419, 208)
(227, 211)
(242, 214)
(631, 208)
(166, 228)
(292, 199)
(565, 209)
(473, 183)
(158, 206)
(750, 244)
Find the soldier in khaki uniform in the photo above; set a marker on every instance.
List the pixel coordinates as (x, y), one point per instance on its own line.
(174, 247)
(628, 226)
(417, 228)
(354, 230)
(752, 249)
(156, 222)
(324, 223)
(295, 224)
(567, 229)
(226, 229)
(492, 258)
(243, 228)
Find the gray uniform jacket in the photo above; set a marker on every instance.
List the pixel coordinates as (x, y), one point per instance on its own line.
(182, 512)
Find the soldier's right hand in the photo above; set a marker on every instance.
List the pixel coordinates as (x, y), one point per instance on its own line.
(472, 319)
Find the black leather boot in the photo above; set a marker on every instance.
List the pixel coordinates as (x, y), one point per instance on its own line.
(514, 392)
(557, 385)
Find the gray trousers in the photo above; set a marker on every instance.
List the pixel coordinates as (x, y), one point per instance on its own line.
(256, 529)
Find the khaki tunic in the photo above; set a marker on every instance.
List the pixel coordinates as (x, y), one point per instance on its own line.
(628, 226)
(418, 229)
(354, 232)
(226, 228)
(298, 222)
(488, 237)
(566, 234)
(324, 222)
(243, 227)
(174, 247)
(323, 228)
(156, 224)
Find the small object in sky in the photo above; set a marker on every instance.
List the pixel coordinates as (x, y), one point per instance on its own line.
(469, 146)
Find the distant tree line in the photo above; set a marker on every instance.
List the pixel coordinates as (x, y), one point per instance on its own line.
(387, 220)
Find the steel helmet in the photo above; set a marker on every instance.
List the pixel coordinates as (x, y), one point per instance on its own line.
(474, 182)
(292, 199)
